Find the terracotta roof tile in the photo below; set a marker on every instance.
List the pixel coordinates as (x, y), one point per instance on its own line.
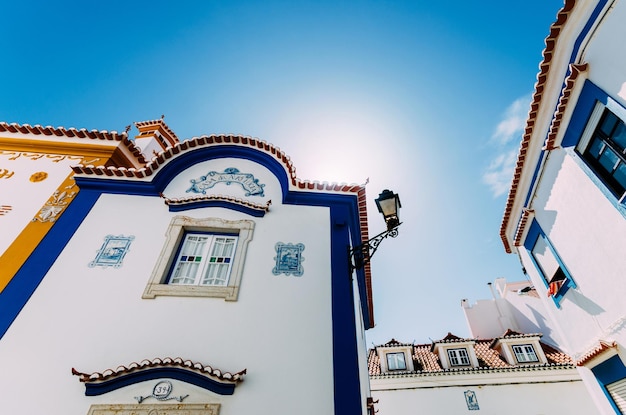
(167, 362)
(596, 350)
(196, 199)
(82, 133)
(426, 361)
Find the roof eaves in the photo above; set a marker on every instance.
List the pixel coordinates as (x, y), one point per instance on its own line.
(542, 78)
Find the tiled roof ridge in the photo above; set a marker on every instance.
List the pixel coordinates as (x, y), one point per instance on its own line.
(452, 338)
(216, 139)
(73, 132)
(598, 348)
(188, 200)
(542, 76)
(512, 334)
(393, 342)
(160, 363)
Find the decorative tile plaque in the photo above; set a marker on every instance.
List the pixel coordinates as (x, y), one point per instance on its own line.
(288, 259)
(112, 251)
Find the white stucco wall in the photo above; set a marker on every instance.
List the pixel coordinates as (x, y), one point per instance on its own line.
(280, 329)
(587, 232)
(525, 313)
(444, 395)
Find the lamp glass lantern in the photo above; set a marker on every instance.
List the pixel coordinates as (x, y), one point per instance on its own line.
(388, 204)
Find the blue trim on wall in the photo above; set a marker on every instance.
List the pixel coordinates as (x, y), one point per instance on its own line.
(345, 231)
(607, 372)
(257, 213)
(585, 31)
(100, 388)
(29, 276)
(589, 96)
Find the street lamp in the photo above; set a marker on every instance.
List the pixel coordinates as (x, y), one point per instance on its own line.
(388, 204)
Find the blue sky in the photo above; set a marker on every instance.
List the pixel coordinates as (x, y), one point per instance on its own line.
(425, 98)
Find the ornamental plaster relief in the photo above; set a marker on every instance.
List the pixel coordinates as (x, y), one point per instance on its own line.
(156, 409)
(56, 204)
(6, 174)
(225, 178)
(55, 158)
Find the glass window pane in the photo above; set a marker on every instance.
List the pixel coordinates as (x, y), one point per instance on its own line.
(608, 123)
(545, 258)
(608, 159)
(596, 147)
(395, 361)
(619, 136)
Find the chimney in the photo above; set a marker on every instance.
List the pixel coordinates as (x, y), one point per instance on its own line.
(154, 137)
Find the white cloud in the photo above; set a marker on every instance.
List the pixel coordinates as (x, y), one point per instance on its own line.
(514, 121)
(506, 138)
(499, 173)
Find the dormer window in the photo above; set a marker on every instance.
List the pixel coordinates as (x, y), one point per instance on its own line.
(396, 361)
(454, 352)
(525, 353)
(395, 356)
(458, 357)
(519, 349)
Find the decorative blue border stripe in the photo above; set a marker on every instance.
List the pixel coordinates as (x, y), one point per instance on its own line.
(257, 213)
(29, 276)
(345, 231)
(100, 388)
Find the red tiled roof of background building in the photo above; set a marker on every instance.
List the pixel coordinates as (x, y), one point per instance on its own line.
(426, 361)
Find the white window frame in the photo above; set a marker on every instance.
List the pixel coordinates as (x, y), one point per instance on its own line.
(392, 364)
(525, 353)
(460, 356)
(179, 227)
(204, 258)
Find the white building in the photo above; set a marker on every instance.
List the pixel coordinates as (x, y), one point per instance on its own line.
(565, 213)
(514, 305)
(199, 276)
(513, 373)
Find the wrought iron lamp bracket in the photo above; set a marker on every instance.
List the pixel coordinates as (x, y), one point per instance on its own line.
(361, 255)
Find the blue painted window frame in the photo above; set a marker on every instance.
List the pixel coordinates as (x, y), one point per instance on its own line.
(589, 97)
(534, 233)
(607, 372)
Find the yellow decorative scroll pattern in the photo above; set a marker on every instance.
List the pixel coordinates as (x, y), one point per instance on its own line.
(32, 234)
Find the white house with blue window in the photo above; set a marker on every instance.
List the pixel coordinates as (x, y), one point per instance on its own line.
(190, 277)
(565, 216)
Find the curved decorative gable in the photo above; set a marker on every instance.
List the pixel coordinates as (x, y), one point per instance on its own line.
(206, 377)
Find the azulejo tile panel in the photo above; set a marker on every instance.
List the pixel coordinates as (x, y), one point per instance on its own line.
(288, 259)
(231, 175)
(112, 251)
